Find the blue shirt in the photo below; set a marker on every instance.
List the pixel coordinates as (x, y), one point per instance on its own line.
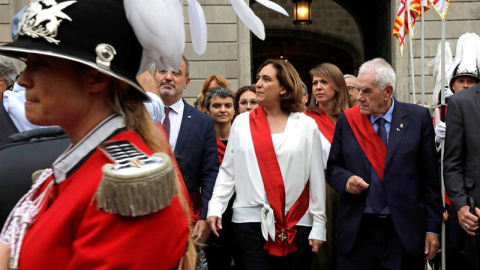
(388, 119)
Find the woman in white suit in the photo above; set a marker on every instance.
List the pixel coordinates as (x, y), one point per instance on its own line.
(273, 162)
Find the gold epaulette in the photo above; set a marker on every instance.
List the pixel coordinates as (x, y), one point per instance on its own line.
(137, 184)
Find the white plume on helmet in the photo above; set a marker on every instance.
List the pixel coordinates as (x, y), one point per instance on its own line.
(159, 26)
(436, 62)
(467, 58)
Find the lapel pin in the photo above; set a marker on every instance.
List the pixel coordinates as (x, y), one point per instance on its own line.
(401, 125)
(189, 116)
(398, 129)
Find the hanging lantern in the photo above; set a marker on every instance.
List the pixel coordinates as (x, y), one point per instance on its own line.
(302, 12)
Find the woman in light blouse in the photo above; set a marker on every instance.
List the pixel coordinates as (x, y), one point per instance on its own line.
(273, 162)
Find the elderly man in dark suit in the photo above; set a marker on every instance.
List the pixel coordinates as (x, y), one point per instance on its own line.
(383, 163)
(192, 137)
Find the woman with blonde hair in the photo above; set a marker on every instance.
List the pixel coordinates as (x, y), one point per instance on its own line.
(271, 163)
(210, 82)
(108, 202)
(330, 98)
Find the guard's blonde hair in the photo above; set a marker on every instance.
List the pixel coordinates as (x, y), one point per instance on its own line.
(129, 103)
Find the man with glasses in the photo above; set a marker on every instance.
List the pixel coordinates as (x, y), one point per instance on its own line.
(351, 81)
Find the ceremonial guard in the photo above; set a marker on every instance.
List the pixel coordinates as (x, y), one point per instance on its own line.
(114, 199)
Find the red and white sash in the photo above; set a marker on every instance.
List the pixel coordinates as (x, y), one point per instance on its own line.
(274, 187)
(368, 139)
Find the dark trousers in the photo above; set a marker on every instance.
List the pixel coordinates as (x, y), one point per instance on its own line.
(378, 247)
(252, 256)
(219, 251)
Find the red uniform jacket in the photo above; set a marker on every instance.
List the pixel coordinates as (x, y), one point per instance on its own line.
(72, 234)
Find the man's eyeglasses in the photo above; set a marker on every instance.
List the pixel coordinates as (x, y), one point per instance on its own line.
(352, 88)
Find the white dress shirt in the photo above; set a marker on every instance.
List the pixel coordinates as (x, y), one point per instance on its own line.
(175, 115)
(325, 149)
(299, 154)
(14, 103)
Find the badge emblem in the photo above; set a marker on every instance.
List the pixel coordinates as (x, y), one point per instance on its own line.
(105, 54)
(42, 19)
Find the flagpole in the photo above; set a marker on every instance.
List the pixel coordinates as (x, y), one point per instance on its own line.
(412, 69)
(442, 116)
(422, 56)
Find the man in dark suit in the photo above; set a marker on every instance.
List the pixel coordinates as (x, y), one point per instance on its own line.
(383, 163)
(192, 138)
(461, 160)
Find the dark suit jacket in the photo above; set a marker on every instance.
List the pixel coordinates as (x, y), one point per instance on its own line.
(461, 159)
(196, 153)
(411, 184)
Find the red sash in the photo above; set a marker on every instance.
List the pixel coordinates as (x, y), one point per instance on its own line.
(220, 150)
(368, 139)
(274, 187)
(324, 123)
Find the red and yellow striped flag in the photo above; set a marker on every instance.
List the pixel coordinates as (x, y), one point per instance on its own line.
(416, 7)
(400, 29)
(441, 6)
(402, 22)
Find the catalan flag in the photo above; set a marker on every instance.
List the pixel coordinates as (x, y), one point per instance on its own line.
(416, 7)
(441, 6)
(400, 29)
(402, 22)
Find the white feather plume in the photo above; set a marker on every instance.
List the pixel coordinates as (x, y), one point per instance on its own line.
(436, 62)
(249, 18)
(198, 26)
(467, 56)
(273, 6)
(159, 27)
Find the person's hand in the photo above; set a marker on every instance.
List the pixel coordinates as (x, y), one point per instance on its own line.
(4, 256)
(215, 224)
(440, 131)
(467, 221)
(431, 246)
(201, 231)
(356, 185)
(445, 216)
(315, 244)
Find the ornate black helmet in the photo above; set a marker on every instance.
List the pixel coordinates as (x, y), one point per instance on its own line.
(467, 59)
(92, 32)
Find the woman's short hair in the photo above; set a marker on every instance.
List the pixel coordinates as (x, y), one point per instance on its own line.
(219, 91)
(332, 74)
(244, 89)
(287, 77)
